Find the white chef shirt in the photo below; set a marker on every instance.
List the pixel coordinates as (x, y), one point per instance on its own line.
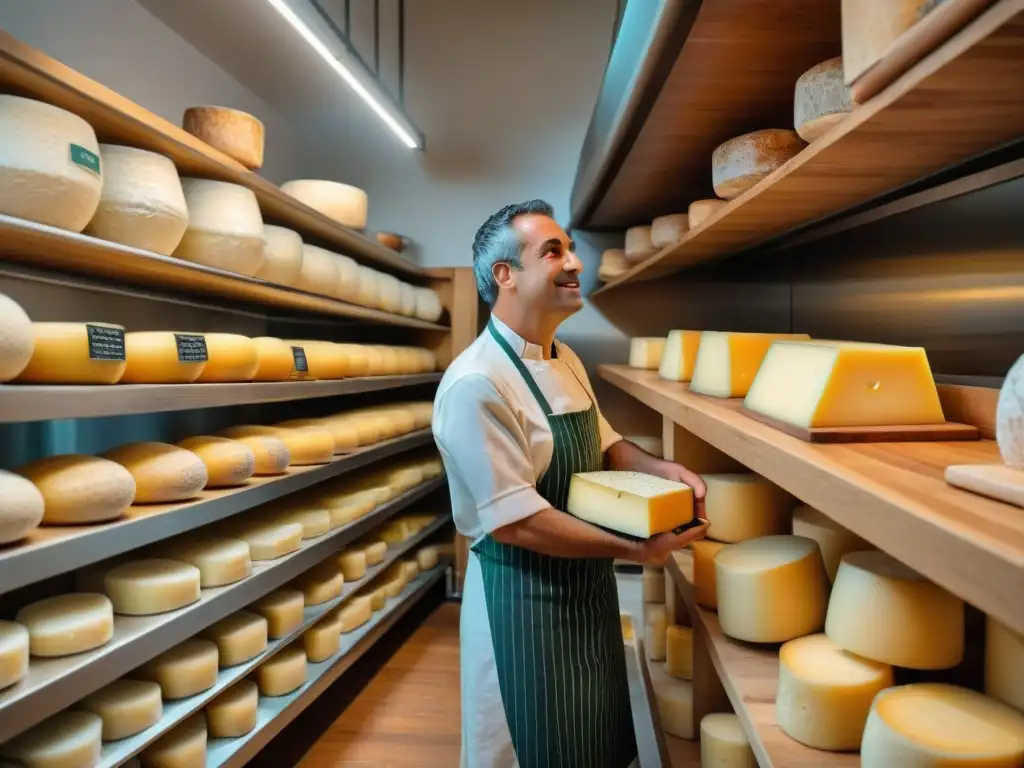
(492, 433)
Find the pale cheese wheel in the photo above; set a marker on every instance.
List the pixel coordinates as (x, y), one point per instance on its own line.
(613, 264)
(740, 163)
(127, 707)
(147, 587)
(239, 637)
(319, 271)
(931, 725)
(306, 445)
(428, 305)
(75, 353)
(389, 292)
(883, 610)
(639, 246)
(771, 589)
(343, 514)
(344, 203)
(78, 490)
(825, 693)
(16, 338)
(355, 613)
(374, 361)
(377, 596)
(271, 456)
(14, 653)
(275, 359)
(230, 357)
(669, 230)
(228, 462)
(702, 210)
(267, 540)
(283, 610)
(67, 624)
(69, 739)
(220, 561)
(724, 743)
(237, 134)
(282, 256)
(834, 541)
(674, 699)
(347, 287)
(160, 357)
(655, 627)
(746, 506)
(427, 557)
(345, 436)
(705, 585)
(1004, 664)
(50, 168)
(142, 204)
(822, 99)
(283, 673)
(352, 564)
(185, 670)
(367, 289)
(322, 640)
(375, 552)
(233, 713)
(653, 584)
(184, 746)
(1010, 416)
(225, 227)
(679, 652)
(314, 518)
(411, 569)
(163, 473)
(320, 583)
(406, 299)
(393, 586)
(21, 507)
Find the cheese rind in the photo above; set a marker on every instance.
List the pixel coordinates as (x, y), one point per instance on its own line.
(1004, 664)
(225, 227)
(283, 610)
(669, 230)
(16, 338)
(320, 583)
(69, 739)
(147, 587)
(646, 352)
(728, 362)
(740, 163)
(182, 747)
(21, 507)
(679, 355)
(724, 743)
(352, 564)
(674, 698)
(322, 640)
(639, 246)
(705, 585)
(746, 506)
(679, 652)
(153, 358)
(342, 202)
(282, 256)
(162, 472)
(228, 463)
(237, 134)
(239, 637)
(220, 560)
(630, 502)
(275, 359)
(354, 613)
(233, 713)
(283, 673)
(127, 707)
(319, 271)
(1010, 416)
(834, 541)
(67, 624)
(230, 358)
(14, 653)
(702, 210)
(78, 490)
(306, 445)
(61, 354)
(822, 99)
(427, 558)
(185, 670)
(271, 455)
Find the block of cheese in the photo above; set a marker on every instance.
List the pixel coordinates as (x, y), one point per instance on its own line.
(319, 271)
(282, 673)
(352, 563)
(407, 300)
(237, 134)
(21, 507)
(845, 384)
(225, 227)
(825, 693)
(367, 289)
(375, 552)
(320, 583)
(834, 541)
(75, 353)
(931, 724)
(306, 445)
(679, 652)
(162, 472)
(267, 540)
(314, 519)
(705, 585)
(78, 490)
(146, 587)
(275, 359)
(355, 613)
(746, 506)
(142, 204)
(233, 713)
(646, 352)
(613, 264)
(230, 357)
(702, 210)
(653, 584)
(163, 357)
(669, 230)
(697, 455)
(428, 305)
(655, 627)
(347, 287)
(14, 653)
(883, 610)
(344, 434)
(771, 589)
(679, 355)
(67, 624)
(126, 707)
(342, 202)
(184, 746)
(50, 168)
(724, 743)
(427, 557)
(271, 456)
(1004, 664)
(228, 463)
(239, 637)
(282, 256)
(639, 246)
(323, 639)
(674, 699)
(185, 670)
(727, 362)
(16, 338)
(822, 99)
(283, 610)
(1010, 417)
(69, 739)
(630, 502)
(740, 163)
(220, 561)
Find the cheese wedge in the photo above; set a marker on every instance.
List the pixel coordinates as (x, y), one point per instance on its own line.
(645, 352)
(727, 362)
(679, 356)
(630, 502)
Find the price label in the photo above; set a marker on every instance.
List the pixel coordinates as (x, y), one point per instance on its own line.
(105, 343)
(301, 364)
(191, 348)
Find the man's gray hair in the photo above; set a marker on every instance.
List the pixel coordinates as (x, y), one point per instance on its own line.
(497, 242)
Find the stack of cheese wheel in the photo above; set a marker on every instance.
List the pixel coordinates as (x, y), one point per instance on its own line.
(225, 227)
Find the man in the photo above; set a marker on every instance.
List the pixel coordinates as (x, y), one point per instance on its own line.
(543, 678)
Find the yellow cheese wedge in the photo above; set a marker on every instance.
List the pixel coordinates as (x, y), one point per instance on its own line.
(705, 586)
(679, 356)
(679, 652)
(655, 627)
(1004, 664)
(14, 653)
(75, 353)
(833, 540)
(154, 357)
(320, 583)
(185, 670)
(239, 637)
(283, 609)
(146, 587)
(727, 362)
(283, 673)
(746, 506)
(127, 707)
(184, 746)
(674, 698)
(67, 624)
(646, 352)
(163, 473)
(228, 462)
(233, 713)
(355, 613)
(267, 540)
(230, 358)
(323, 639)
(220, 561)
(78, 490)
(270, 455)
(724, 743)
(352, 564)
(66, 740)
(630, 502)
(275, 359)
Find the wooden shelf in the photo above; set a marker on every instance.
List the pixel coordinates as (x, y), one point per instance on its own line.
(750, 676)
(892, 494)
(961, 100)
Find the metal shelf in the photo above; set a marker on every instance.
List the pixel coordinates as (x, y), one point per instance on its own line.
(116, 753)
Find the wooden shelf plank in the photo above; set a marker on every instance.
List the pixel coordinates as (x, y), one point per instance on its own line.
(961, 100)
(750, 676)
(892, 494)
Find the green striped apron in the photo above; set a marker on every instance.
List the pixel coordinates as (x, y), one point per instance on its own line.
(555, 624)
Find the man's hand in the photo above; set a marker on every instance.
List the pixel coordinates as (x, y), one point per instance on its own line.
(657, 549)
(672, 471)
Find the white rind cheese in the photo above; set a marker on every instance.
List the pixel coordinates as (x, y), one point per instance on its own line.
(78, 490)
(283, 673)
(323, 639)
(319, 584)
(228, 463)
(669, 230)
(233, 713)
(834, 541)
(355, 613)
(407, 300)
(21, 507)
(674, 698)
(182, 747)
(1010, 417)
(147, 587)
(283, 610)
(723, 742)
(185, 670)
(67, 624)
(14, 653)
(152, 357)
(220, 561)
(267, 540)
(344, 203)
(70, 739)
(225, 227)
(127, 707)
(162, 472)
(822, 99)
(282, 256)
(347, 287)
(646, 352)
(746, 506)
(16, 338)
(639, 246)
(740, 163)
(1004, 664)
(319, 273)
(237, 134)
(428, 305)
(368, 290)
(239, 637)
(630, 502)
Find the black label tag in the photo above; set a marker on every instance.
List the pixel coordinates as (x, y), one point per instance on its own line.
(301, 364)
(105, 343)
(191, 349)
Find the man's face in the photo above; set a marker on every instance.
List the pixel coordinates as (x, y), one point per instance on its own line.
(549, 280)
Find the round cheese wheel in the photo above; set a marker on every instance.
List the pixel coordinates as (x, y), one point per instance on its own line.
(345, 436)
(21, 507)
(740, 163)
(669, 230)
(352, 564)
(822, 99)
(271, 455)
(153, 357)
(127, 707)
(374, 360)
(230, 357)
(69, 739)
(239, 637)
(347, 287)
(389, 293)
(184, 746)
(228, 462)
(883, 610)
(320, 583)
(185, 670)
(275, 359)
(428, 305)
(771, 589)
(147, 587)
(142, 204)
(325, 359)
(1010, 416)
(67, 624)
(163, 473)
(1004, 664)
(267, 540)
(393, 585)
(613, 264)
(282, 256)
(639, 246)
(16, 338)
(306, 445)
(406, 299)
(61, 354)
(220, 561)
(233, 713)
(377, 596)
(322, 640)
(931, 725)
(283, 673)
(427, 557)
(375, 552)
(346, 204)
(314, 519)
(79, 490)
(319, 271)
(833, 540)
(237, 134)
(701, 210)
(225, 227)
(746, 506)
(825, 693)
(283, 609)
(367, 291)
(674, 699)
(14, 653)
(50, 168)
(355, 613)
(724, 743)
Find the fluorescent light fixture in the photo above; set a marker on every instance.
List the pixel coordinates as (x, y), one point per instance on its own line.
(300, 26)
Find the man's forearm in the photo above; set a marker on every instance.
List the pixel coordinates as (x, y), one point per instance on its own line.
(555, 533)
(625, 455)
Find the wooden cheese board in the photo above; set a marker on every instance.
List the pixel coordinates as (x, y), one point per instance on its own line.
(899, 433)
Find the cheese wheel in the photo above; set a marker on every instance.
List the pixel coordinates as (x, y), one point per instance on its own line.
(162, 472)
(75, 353)
(347, 287)
(320, 583)
(14, 653)
(185, 670)
(724, 743)
(322, 640)
(393, 586)
(679, 356)
(343, 514)
(355, 613)
(406, 299)
(367, 289)
(394, 532)
(283, 610)
(228, 463)
(352, 564)
(669, 230)
(225, 227)
(78, 490)
(233, 713)
(230, 358)
(325, 359)
(702, 210)
(346, 437)
(428, 305)
(127, 707)
(411, 569)
(220, 561)
(825, 693)
(728, 362)
(872, 28)
(346, 204)
(314, 519)
(319, 271)
(271, 456)
(158, 357)
(771, 589)
(283, 673)
(1010, 417)
(69, 739)
(705, 585)
(306, 445)
(267, 540)
(427, 558)
(883, 610)
(932, 725)
(237, 134)
(16, 338)
(239, 637)
(822, 99)
(834, 541)
(282, 256)
(377, 596)
(740, 163)
(50, 168)
(375, 552)
(1004, 664)
(184, 746)
(146, 587)
(613, 264)
(655, 627)
(633, 503)
(746, 506)
(67, 624)
(679, 652)
(275, 359)
(389, 291)
(653, 584)
(646, 352)
(142, 204)
(21, 507)
(674, 699)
